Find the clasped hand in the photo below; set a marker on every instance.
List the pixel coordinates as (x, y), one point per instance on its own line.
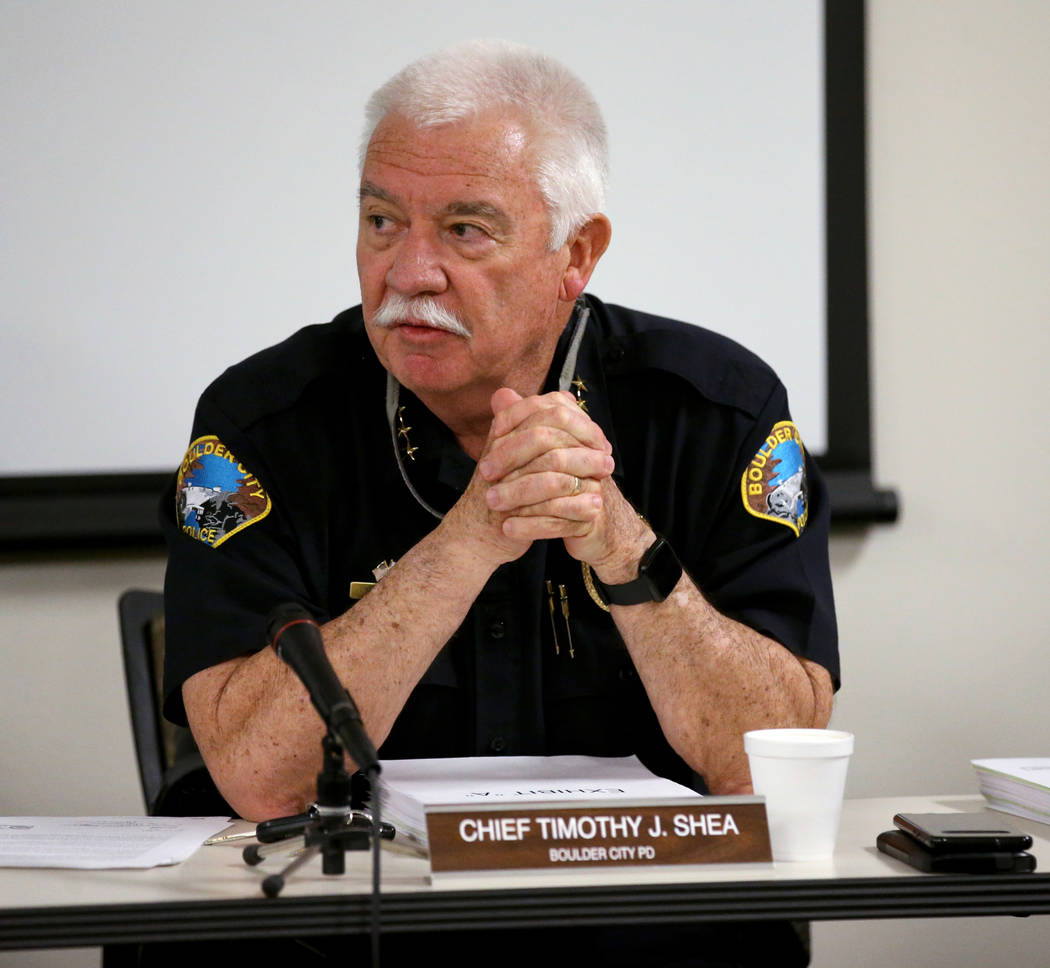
(546, 472)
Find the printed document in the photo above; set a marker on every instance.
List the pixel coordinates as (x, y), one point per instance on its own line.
(101, 843)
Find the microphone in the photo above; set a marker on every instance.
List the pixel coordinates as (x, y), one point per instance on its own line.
(296, 639)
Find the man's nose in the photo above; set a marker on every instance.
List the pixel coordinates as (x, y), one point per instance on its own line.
(417, 267)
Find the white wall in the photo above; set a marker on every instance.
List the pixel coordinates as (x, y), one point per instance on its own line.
(943, 616)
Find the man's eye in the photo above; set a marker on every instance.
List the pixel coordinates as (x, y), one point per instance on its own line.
(464, 230)
(381, 224)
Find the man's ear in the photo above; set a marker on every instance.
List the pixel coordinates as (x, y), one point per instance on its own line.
(586, 247)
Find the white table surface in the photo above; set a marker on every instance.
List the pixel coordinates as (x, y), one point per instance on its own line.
(219, 874)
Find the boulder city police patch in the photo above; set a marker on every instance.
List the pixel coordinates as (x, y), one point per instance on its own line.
(774, 484)
(215, 496)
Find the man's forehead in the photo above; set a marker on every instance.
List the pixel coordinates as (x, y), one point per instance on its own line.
(494, 144)
(464, 206)
(477, 167)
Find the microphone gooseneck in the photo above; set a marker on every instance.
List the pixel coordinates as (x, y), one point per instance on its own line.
(296, 638)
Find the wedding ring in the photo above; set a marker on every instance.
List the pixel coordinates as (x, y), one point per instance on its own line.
(575, 486)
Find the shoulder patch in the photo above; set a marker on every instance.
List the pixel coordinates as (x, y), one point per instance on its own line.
(774, 484)
(215, 496)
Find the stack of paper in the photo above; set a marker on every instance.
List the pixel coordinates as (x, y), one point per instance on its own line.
(409, 787)
(1016, 785)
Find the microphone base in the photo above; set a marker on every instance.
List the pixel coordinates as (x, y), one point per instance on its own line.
(336, 823)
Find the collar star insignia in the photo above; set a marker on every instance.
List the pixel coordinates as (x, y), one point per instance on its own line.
(581, 388)
(402, 432)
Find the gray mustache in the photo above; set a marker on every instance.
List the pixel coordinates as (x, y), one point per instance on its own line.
(396, 309)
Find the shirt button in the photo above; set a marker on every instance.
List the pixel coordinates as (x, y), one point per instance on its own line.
(627, 672)
(497, 629)
(497, 744)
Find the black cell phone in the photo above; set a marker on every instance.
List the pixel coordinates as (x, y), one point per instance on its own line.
(902, 846)
(959, 832)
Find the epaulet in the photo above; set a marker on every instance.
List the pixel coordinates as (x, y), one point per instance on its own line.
(273, 379)
(716, 366)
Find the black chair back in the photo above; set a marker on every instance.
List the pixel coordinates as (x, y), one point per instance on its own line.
(174, 780)
(141, 615)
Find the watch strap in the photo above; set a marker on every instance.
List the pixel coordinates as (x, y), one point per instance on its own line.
(635, 592)
(658, 573)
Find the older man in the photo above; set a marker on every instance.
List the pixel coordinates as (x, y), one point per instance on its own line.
(560, 510)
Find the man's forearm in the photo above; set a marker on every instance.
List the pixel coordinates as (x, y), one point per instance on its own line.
(258, 732)
(710, 679)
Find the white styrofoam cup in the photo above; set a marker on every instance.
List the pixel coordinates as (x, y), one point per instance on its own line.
(802, 775)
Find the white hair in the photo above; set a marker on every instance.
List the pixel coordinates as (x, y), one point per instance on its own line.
(569, 148)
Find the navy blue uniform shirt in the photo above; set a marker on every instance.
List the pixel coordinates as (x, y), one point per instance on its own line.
(291, 491)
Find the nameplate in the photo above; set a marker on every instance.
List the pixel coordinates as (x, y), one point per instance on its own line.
(565, 835)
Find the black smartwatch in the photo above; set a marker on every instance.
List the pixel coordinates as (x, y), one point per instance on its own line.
(658, 573)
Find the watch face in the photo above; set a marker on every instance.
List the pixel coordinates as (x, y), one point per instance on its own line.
(661, 568)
